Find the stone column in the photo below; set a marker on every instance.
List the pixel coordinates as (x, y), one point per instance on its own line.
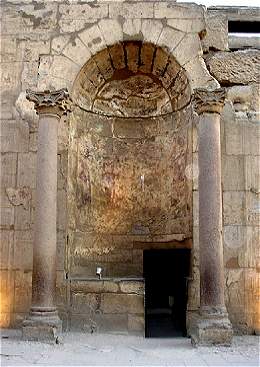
(213, 325)
(43, 322)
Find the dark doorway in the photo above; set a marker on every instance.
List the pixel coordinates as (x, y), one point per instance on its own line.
(166, 275)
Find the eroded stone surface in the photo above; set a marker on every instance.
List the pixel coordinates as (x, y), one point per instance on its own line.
(114, 190)
(14, 136)
(212, 332)
(21, 196)
(239, 67)
(136, 96)
(99, 305)
(245, 97)
(217, 32)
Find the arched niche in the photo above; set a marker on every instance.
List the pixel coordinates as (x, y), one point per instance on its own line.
(132, 79)
(130, 155)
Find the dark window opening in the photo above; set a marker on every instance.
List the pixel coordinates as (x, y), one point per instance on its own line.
(166, 275)
(243, 27)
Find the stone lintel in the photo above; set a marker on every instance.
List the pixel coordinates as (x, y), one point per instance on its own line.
(206, 101)
(50, 102)
(237, 13)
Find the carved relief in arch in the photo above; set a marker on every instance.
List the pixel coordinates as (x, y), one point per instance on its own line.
(132, 79)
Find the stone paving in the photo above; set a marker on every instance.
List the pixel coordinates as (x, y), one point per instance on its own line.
(124, 350)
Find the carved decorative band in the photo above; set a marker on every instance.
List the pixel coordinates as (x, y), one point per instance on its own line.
(209, 101)
(56, 102)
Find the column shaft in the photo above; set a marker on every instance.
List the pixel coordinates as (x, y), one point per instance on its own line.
(210, 212)
(44, 250)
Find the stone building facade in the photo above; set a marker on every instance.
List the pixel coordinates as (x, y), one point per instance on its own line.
(127, 153)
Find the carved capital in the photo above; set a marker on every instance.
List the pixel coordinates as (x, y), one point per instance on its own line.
(209, 101)
(50, 102)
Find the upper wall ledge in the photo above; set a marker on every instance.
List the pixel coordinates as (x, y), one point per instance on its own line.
(242, 13)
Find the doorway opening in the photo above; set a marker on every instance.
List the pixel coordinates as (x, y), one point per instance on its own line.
(166, 275)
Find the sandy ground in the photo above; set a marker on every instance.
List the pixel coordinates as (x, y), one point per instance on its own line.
(78, 349)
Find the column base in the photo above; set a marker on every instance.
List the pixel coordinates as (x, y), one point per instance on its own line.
(257, 331)
(191, 320)
(42, 326)
(212, 328)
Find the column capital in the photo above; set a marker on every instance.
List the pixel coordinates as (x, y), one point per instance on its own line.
(50, 102)
(209, 101)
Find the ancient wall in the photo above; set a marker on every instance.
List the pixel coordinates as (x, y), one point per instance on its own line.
(44, 45)
(105, 305)
(238, 71)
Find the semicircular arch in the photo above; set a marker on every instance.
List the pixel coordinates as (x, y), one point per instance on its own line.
(132, 79)
(70, 55)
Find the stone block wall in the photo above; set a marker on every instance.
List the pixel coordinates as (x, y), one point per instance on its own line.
(40, 40)
(18, 173)
(241, 184)
(105, 305)
(240, 145)
(110, 208)
(238, 71)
